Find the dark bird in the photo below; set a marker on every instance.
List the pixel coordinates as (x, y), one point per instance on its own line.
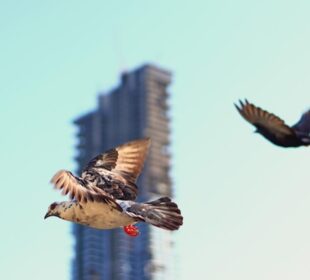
(103, 197)
(274, 129)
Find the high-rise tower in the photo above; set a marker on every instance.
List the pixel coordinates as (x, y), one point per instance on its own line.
(137, 108)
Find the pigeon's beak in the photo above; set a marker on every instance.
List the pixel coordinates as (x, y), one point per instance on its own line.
(47, 215)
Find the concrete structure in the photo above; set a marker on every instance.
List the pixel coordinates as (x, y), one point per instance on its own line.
(137, 108)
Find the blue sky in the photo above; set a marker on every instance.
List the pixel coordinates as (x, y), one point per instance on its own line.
(245, 201)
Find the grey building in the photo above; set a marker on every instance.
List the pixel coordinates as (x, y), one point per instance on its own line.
(137, 108)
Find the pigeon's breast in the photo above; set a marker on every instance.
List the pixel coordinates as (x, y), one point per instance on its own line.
(101, 216)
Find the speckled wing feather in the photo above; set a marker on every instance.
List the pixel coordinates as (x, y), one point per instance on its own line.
(78, 190)
(117, 170)
(261, 118)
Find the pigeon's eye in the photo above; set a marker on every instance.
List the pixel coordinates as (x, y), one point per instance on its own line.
(53, 205)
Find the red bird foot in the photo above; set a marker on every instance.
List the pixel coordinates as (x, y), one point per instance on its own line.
(132, 230)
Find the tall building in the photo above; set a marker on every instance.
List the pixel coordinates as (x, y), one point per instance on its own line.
(137, 108)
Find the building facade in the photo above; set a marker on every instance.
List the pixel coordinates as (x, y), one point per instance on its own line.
(137, 108)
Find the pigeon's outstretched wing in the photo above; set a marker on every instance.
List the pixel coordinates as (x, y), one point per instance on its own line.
(78, 189)
(117, 170)
(264, 120)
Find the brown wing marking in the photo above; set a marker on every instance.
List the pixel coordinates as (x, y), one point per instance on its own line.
(131, 158)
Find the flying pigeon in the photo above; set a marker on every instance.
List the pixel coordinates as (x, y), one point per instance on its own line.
(274, 129)
(103, 197)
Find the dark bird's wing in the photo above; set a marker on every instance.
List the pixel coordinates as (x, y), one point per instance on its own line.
(263, 120)
(78, 190)
(117, 170)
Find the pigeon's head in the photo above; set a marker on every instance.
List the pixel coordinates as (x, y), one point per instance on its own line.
(53, 210)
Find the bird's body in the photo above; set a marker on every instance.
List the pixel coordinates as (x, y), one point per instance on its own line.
(285, 140)
(274, 129)
(95, 214)
(103, 197)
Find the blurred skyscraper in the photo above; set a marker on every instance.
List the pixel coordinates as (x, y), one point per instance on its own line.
(137, 108)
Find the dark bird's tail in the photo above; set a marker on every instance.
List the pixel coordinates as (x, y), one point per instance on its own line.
(162, 213)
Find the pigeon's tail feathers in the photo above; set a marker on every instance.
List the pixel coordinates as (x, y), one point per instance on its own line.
(162, 213)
